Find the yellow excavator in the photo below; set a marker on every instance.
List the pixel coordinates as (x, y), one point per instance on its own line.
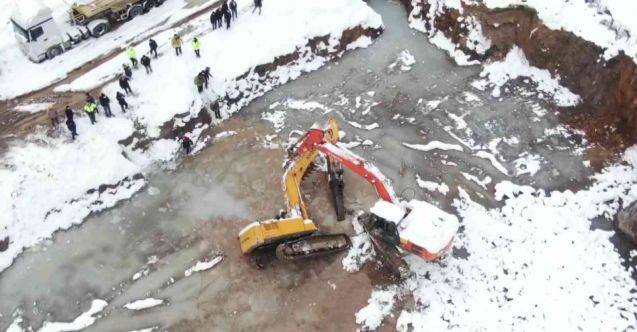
(415, 226)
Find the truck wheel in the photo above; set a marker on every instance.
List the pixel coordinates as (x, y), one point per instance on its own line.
(53, 52)
(134, 11)
(158, 3)
(148, 5)
(99, 30)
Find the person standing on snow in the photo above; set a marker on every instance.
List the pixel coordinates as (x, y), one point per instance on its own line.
(69, 121)
(153, 47)
(233, 9)
(132, 55)
(122, 102)
(53, 116)
(257, 4)
(216, 108)
(219, 18)
(91, 100)
(90, 110)
(206, 76)
(199, 80)
(124, 84)
(213, 19)
(196, 45)
(146, 63)
(186, 143)
(127, 71)
(106, 104)
(176, 43)
(227, 16)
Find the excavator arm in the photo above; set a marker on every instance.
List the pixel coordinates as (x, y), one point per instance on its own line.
(402, 227)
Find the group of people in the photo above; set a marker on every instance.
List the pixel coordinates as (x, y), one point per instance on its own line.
(227, 12)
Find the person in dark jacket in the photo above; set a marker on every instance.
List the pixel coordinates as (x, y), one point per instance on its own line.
(106, 105)
(186, 143)
(224, 7)
(233, 9)
(206, 76)
(124, 84)
(153, 47)
(199, 81)
(146, 63)
(216, 108)
(127, 71)
(219, 18)
(122, 101)
(213, 19)
(227, 16)
(69, 121)
(257, 4)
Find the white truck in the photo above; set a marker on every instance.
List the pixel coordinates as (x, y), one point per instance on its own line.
(40, 37)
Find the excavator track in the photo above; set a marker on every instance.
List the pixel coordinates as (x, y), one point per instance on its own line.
(313, 246)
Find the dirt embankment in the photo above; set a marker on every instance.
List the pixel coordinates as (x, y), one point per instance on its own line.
(608, 113)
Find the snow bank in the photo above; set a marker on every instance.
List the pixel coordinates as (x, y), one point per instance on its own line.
(516, 65)
(535, 262)
(143, 304)
(53, 183)
(607, 23)
(32, 108)
(432, 186)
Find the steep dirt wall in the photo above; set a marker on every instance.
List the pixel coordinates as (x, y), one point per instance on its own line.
(608, 88)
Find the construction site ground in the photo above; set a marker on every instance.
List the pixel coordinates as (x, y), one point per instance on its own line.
(199, 207)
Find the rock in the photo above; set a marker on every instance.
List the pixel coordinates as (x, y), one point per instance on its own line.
(628, 221)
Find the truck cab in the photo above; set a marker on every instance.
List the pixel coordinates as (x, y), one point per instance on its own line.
(38, 35)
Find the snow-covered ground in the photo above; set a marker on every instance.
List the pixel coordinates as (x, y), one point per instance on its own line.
(53, 183)
(19, 75)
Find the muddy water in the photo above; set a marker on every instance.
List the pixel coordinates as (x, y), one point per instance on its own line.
(195, 211)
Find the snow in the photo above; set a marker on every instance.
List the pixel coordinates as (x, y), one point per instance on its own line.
(277, 118)
(143, 304)
(428, 227)
(362, 250)
(534, 261)
(379, 306)
(482, 183)
(52, 183)
(388, 211)
(16, 77)
(361, 42)
(404, 61)
(32, 108)
(83, 321)
(432, 186)
(73, 171)
(203, 266)
(434, 145)
(516, 65)
(364, 127)
(528, 164)
(494, 161)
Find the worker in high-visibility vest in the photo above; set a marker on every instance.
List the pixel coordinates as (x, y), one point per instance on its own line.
(90, 108)
(196, 45)
(132, 55)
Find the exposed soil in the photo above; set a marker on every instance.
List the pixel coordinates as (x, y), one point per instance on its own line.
(608, 113)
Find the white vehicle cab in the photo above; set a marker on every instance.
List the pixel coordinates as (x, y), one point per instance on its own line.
(37, 34)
